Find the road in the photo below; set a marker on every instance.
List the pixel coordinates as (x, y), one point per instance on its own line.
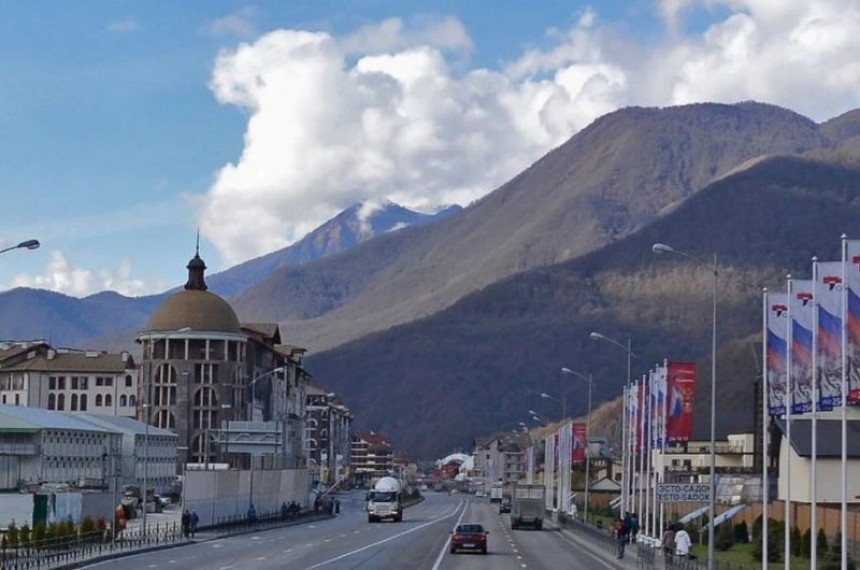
(348, 541)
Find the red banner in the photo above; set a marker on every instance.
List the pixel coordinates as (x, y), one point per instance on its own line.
(641, 416)
(681, 386)
(580, 442)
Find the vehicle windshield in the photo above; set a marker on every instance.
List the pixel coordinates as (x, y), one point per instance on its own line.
(383, 497)
(469, 528)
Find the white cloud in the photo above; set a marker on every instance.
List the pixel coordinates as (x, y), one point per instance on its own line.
(381, 113)
(124, 26)
(241, 24)
(59, 275)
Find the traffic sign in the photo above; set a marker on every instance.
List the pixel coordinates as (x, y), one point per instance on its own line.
(683, 492)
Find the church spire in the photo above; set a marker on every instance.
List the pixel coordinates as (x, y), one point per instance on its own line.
(196, 267)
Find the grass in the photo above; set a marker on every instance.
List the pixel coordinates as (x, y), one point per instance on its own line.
(741, 555)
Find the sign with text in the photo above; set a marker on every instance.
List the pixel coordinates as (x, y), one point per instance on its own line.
(683, 492)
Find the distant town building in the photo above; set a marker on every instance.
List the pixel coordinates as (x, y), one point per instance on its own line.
(328, 435)
(499, 457)
(37, 375)
(372, 457)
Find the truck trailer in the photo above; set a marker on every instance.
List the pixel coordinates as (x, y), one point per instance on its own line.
(528, 506)
(385, 501)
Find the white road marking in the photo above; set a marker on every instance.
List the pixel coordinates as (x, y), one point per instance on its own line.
(390, 538)
(447, 542)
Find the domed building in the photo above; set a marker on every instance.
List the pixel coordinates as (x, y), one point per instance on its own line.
(201, 369)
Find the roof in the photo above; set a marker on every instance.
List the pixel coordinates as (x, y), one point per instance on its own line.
(9, 351)
(120, 423)
(74, 362)
(267, 330)
(829, 437)
(20, 418)
(196, 310)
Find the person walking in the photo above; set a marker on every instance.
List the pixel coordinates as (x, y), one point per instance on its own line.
(186, 522)
(194, 520)
(668, 542)
(622, 536)
(683, 543)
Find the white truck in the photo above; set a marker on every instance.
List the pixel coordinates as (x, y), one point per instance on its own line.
(496, 493)
(528, 506)
(385, 501)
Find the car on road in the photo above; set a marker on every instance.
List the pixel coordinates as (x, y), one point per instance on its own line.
(505, 506)
(469, 536)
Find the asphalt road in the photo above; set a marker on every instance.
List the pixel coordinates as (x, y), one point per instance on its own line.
(348, 541)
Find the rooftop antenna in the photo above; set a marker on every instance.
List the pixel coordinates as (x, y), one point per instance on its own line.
(197, 250)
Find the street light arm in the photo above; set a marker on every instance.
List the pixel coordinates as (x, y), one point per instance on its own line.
(29, 244)
(624, 347)
(567, 370)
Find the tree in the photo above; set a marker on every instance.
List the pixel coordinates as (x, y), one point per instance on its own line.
(741, 532)
(796, 542)
(806, 549)
(822, 546)
(725, 538)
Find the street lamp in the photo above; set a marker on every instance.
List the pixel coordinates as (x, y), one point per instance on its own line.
(663, 248)
(626, 479)
(251, 385)
(534, 415)
(29, 244)
(587, 435)
(562, 401)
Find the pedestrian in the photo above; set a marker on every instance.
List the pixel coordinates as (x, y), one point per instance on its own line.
(252, 514)
(186, 522)
(194, 520)
(633, 525)
(682, 543)
(669, 542)
(285, 510)
(621, 532)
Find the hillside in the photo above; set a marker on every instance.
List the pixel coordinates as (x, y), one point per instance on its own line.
(494, 351)
(611, 179)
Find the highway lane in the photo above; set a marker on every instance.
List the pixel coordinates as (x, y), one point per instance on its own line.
(348, 541)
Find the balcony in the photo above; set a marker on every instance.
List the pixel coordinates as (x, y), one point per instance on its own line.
(19, 449)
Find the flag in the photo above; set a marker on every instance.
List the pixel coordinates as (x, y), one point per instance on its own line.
(828, 296)
(852, 281)
(776, 344)
(800, 307)
(681, 386)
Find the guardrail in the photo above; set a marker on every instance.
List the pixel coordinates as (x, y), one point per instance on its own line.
(57, 553)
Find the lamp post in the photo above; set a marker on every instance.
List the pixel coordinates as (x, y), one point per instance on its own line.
(534, 415)
(587, 435)
(562, 401)
(251, 385)
(626, 479)
(29, 244)
(663, 248)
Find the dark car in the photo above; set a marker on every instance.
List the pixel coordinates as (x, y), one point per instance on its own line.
(469, 536)
(505, 506)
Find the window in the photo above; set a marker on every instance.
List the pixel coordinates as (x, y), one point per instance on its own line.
(52, 383)
(61, 402)
(108, 400)
(52, 402)
(17, 399)
(74, 382)
(128, 381)
(98, 400)
(61, 382)
(83, 402)
(123, 401)
(132, 400)
(84, 382)
(74, 402)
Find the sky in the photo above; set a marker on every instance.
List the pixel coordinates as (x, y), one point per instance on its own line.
(127, 126)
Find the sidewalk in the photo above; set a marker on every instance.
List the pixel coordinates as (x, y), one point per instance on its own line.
(599, 543)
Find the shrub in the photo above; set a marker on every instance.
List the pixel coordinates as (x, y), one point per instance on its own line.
(796, 542)
(822, 547)
(724, 538)
(24, 535)
(88, 528)
(39, 533)
(806, 544)
(741, 532)
(12, 535)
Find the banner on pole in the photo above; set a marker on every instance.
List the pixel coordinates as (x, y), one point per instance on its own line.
(776, 343)
(800, 307)
(580, 442)
(829, 292)
(852, 281)
(681, 388)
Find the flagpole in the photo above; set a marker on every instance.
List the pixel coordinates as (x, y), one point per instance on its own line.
(640, 506)
(843, 518)
(646, 420)
(664, 410)
(790, 398)
(813, 479)
(765, 495)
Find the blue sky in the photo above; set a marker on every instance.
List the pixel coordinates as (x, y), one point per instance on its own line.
(126, 125)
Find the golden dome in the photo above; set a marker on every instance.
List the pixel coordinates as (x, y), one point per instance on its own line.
(197, 310)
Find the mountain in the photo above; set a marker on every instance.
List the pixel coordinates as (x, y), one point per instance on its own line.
(479, 365)
(624, 171)
(349, 228)
(110, 321)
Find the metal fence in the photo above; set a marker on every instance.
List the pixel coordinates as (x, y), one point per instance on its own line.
(57, 553)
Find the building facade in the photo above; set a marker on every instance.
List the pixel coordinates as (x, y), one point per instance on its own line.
(328, 436)
(372, 456)
(37, 375)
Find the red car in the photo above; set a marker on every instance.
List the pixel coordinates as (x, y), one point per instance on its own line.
(469, 536)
